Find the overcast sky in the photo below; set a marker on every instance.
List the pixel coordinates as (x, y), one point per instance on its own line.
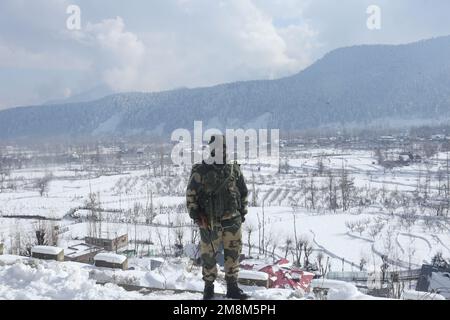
(142, 45)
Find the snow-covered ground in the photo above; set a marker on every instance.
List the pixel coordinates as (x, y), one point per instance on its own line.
(25, 278)
(282, 205)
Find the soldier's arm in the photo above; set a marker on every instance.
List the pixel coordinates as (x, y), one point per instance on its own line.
(192, 193)
(242, 186)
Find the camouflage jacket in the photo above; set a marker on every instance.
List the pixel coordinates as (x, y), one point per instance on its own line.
(217, 192)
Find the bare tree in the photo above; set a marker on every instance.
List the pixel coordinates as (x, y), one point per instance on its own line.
(161, 242)
(298, 244)
(4, 173)
(361, 225)
(249, 228)
(259, 234)
(287, 246)
(308, 249)
(319, 260)
(274, 247)
(447, 184)
(440, 176)
(375, 229)
(332, 198)
(53, 234)
(137, 210)
(362, 264)
(384, 267)
(93, 205)
(430, 150)
(346, 186)
(46, 233)
(254, 202)
(379, 156)
(284, 166)
(149, 208)
(161, 160)
(41, 233)
(324, 268)
(179, 233)
(439, 261)
(312, 191)
(268, 242)
(263, 226)
(43, 183)
(351, 225)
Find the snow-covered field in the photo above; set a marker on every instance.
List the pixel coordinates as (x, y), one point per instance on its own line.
(387, 223)
(25, 278)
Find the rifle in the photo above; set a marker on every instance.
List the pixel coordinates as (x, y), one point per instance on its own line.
(204, 221)
(211, 195)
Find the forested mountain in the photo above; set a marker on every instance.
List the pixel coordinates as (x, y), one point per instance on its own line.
(354, 85)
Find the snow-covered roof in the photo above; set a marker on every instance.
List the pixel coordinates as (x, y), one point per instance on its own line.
(46, 250)
(253, 275)
(10, 259)
(110, 257)
(418, 295)
(340, 290)
(80, 249)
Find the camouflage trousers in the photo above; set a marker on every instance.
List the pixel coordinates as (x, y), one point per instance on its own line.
(227, 232)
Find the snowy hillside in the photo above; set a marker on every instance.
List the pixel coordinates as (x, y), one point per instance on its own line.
(355, 85)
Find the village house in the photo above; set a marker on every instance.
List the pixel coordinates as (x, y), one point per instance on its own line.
(438, 137)
(406, 157)
(254, 278)
(81, 252)
(47, 253)
(111, 260)
(434, 279)
(112, 244)
(387, 139)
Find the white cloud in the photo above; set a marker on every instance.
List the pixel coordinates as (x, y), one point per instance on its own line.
(200, 43)
(157, 45)
(12, 56)
(122, 49)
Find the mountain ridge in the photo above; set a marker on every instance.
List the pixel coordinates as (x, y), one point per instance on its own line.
(358, 84)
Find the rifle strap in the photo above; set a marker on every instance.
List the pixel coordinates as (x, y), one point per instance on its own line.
(222, 185)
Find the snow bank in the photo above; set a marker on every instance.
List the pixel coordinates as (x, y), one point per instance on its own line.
(339, 290)
(42, 280)
(276, 294)
(27, 278)
(174, 275)
(46, 250)
(110, 258)
(9, 260)
(253, 275)
(418, 295)
(440, 282)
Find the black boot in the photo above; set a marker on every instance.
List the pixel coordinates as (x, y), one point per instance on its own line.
(234, 292)
(208, 292)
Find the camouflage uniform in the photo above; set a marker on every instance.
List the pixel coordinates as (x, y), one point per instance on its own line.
(219, 193)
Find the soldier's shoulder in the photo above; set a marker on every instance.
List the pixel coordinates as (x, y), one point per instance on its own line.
(237, 167)
(199, 168)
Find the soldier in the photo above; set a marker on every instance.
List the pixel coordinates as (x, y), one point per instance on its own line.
(217, 202)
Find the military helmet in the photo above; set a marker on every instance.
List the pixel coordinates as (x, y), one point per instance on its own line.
(215, 139)
(218, 136)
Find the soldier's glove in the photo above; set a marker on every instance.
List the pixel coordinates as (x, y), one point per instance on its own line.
(202, 222)
(244, 212)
